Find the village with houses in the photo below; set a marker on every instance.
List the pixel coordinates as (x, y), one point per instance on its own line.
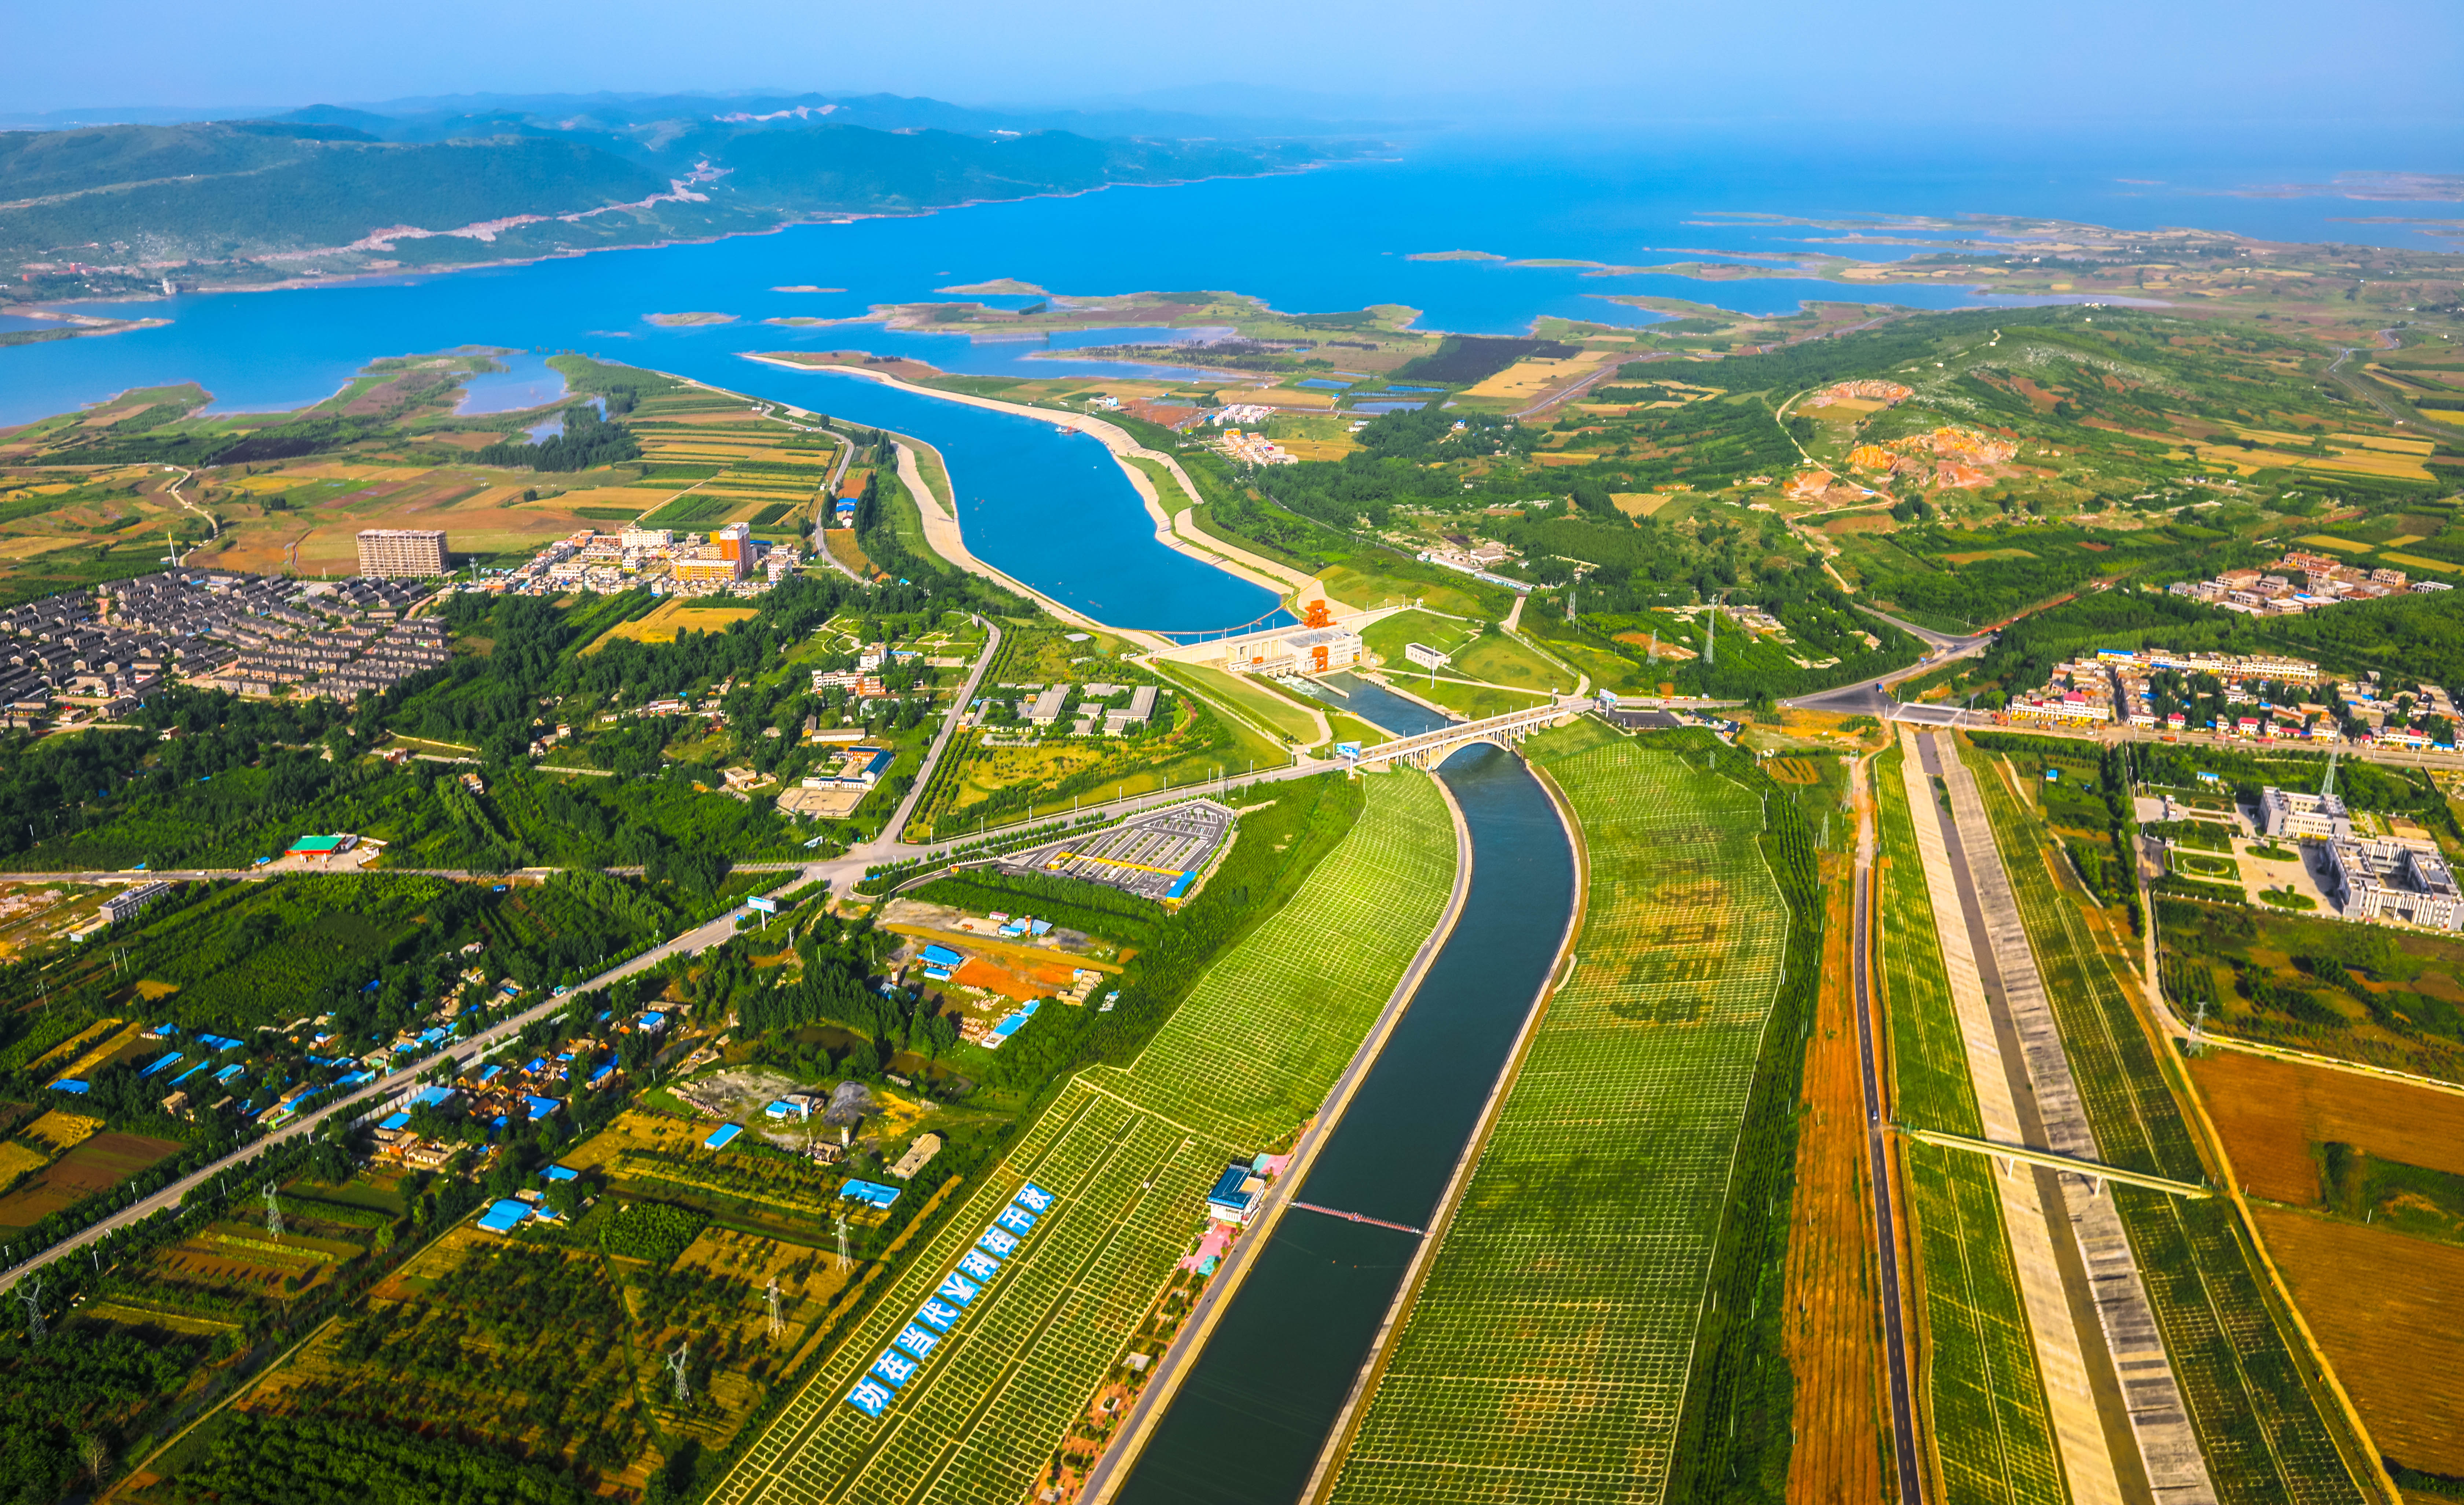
(2250, 697)
(728, 561)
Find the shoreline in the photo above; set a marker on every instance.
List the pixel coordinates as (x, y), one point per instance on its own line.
(567, 254)
(940, 521)
(1123, 446)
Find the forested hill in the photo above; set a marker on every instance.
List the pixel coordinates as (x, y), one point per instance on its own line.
(115, 208)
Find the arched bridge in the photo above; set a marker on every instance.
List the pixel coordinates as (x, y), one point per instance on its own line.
(1430, 748)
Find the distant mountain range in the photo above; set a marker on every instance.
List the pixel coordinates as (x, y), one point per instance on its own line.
(329, 191)
(1219, 111)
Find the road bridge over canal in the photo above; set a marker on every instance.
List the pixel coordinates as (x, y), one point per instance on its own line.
(1429, 749)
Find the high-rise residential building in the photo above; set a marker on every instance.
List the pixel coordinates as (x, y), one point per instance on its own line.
(401, 553)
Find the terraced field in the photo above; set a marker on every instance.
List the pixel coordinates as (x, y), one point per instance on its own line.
(2262, 1431)
(736, 465)
(1128, 1155)
(1548, 1352)
(1992, 1437)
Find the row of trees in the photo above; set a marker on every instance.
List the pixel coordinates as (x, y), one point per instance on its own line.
(587, 441)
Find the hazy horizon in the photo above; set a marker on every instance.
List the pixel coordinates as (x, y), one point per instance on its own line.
(2101, 63)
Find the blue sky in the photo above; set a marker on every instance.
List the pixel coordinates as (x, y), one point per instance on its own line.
(2072, 60)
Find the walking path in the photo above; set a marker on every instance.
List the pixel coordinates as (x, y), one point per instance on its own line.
(1279, 578)
(2168, 1445)
(942, 535)
(942, 529)
(2070, 1399)
(966, 697)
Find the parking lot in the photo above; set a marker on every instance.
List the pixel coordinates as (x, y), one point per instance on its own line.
(1155, 856)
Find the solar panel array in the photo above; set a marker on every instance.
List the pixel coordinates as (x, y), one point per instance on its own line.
(1547, 1353)
(1128, 1155)
(1148, 855)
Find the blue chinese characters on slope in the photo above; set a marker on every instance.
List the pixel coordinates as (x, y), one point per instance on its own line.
(949, 1302)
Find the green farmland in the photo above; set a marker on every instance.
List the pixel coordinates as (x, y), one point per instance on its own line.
(2262, 1429)
(1985, 1403)
(1128, 1152)
(1558, 1345)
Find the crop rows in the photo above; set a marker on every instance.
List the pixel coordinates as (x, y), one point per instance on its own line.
(2258, 1425)
(1128, 1154)
(1993, 1437)
(1547, 1353)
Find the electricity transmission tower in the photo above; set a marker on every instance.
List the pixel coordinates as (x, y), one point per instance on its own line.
(843, 1253)
(676, 1368)
(31, 1294)
(272, 1213)
(776, 1326)
(2327, 785)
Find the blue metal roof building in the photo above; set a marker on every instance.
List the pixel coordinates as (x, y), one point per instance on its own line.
(505, 1216)
(1231, 1199)
(869, 1192)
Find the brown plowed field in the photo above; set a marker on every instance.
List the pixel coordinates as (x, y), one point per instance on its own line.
(2271, 1112)
(97, 1165)
(2383, 1308)
(1832, 1341)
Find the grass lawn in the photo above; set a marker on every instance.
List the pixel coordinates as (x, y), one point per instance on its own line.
(1168, 493)
(1500, 659)
(2224, 868)
(1445, 634)
(1473, 701)
(1371, 587)
(1252, 699)
(1349, 728)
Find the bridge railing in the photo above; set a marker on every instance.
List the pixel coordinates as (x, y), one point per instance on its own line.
(1459, 732)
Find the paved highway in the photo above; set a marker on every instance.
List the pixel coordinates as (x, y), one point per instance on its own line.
(839, 872)
(462, 1052)
(698, 939)
(2362, 390)
(1867, 697)
(2110, 734)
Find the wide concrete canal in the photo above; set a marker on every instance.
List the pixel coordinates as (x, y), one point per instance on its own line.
(1259, 1401)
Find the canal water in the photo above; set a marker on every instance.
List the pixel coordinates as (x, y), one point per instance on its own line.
(1251, 1418)
(1047, 505)
(1377, 705)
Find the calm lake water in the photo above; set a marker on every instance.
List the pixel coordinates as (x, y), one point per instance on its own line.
(1052, 510)
(1334, 239)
